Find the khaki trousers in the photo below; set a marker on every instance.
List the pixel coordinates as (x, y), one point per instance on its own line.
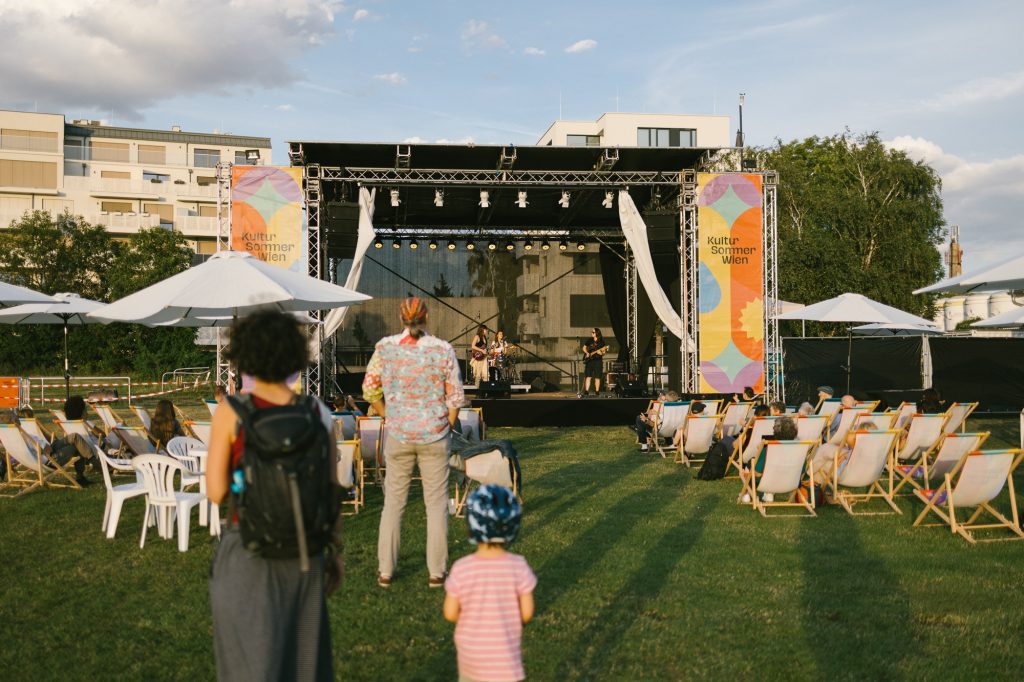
(432, 460)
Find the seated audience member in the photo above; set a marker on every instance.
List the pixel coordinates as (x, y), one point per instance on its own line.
(74, 410)
(824, 393)
(805, 409)
(821, 463)
(783, 429)
(344, 403)
(164, 425)
(645, 421)
(760, 411)
(748, 395)
(847, 402)
(776, 409)
(679, 437)
(219, 393)
(61, 450)
(930, 402)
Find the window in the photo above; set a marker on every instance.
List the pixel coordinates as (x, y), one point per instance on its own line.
(586, 264)
(207, 158)
(208, 211)
(588, 310)
(28, 140)
(75, 149)
(583, 140)
(666, 137)
(531, 304)
(165, 211)
(110, 151)
(205, 180)
(116, 207)
(28, 174)
(152, 153)
(115, 175)
(149, 176)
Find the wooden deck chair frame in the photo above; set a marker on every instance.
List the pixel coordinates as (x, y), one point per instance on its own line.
(26, 468)
(921, 443)
(883, 421)
(760, 428)
(716, 403)
(358, 474)
(374, 456)
(671, 416)
(793, 499)
(345, 422)
(30, 425)
(944, 455)
(847, 417)
(958, 414)
(829, 406)
(106, 416)
(132, 439)
(696, 445)
(879, 445)
(869, 405)
(463, 489)
(479, 421)
(904, 411)
(942, 501)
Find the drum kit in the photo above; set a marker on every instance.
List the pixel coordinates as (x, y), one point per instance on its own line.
(506, 364)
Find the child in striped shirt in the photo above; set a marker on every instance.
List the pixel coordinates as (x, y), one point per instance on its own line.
(490, 592)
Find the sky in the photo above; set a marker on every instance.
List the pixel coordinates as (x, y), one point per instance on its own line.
(941, 80)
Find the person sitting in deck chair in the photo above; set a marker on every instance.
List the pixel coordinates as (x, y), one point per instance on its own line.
(848, 401)
(821, 463)
(805, 409)
(776, 408)
(165, 425)
(646, 420)
(783, 429)
(61, 450)
(679, 438)
(930, 402)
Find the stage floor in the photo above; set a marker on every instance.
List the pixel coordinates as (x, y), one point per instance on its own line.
(559, 409)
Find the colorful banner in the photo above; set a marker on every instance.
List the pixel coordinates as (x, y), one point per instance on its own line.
(266, 214)
(730, 282)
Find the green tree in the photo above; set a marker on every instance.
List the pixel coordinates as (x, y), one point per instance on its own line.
(442, 289)
(855, 216)
(494, 274)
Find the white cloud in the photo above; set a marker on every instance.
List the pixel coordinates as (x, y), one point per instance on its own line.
(989, 89)
(415, 139)
(581, 46)
(985, 198)
(479, 34)
(535, 51)
(285, 107)
(393, 78)
(361, 14)
(126, 56)
(468, 139)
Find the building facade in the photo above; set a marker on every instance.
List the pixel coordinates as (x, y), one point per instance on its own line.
(617, 129)
(122, 178)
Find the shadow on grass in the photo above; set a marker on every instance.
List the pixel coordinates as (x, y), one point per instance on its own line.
(856, 616)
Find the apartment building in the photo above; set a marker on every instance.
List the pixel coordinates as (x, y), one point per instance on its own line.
(615, 129)
(122, 178)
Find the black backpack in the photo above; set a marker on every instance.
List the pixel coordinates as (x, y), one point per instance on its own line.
(289, 503)
(715, 463)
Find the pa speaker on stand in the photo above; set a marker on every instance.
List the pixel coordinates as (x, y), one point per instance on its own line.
(494, 389)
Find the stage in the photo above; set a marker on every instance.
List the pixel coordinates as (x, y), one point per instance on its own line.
(560, 409)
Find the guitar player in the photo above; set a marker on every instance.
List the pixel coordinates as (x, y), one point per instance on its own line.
(478, 351)
(593, 351)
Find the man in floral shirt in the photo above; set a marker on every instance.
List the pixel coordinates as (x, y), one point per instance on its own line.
(413, 381)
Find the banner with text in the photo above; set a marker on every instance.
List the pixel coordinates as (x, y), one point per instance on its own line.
(266, 214)
(730, 283)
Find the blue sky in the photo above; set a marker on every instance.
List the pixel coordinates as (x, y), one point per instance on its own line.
(942, 80)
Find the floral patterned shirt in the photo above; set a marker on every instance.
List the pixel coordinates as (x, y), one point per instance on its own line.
(419, 381)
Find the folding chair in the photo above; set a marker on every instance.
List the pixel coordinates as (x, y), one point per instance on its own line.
(481, 469)
(871, 455)
(868, 405)
(883, 421)
(759, 429)
(958, 413)
(712, 406)
(79, 426)
(829, 406)
(350, 472)
(903, 414)
(199, 430)
(135, 440)
(976, 480)
(28, 467)
(699, 436)
(923, 434)
(116, 494)
(811, 427)
(847, 416)
(940, 459)
(346, 422)
(109, 422)
(472, 421)
(736, 417)
(370, 431)
(786, 464)
(30, 426)
(143, 415)
(671, 417)
(158, 473)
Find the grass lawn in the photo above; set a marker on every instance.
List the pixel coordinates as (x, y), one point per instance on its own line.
(645, 573)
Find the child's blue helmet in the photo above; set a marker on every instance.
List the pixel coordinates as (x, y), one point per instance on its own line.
(493, 514)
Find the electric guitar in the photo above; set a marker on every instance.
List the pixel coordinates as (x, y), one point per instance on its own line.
(600, 351)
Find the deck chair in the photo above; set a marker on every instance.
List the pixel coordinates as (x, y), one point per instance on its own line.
(883, 421)
(28, 467)
(847, 417)
(30, 426)
(59, 415)
(158, 473)
(712, 407)
(472, 421)
(671, 417)
(811, 427)
(940, 459)
(370, 431)
(70, 426)
(958, 414)
(830, 406)
(871, 455)
(700, 433)
(787, 463)
(869, 405)
(481, 469)
(346, 422)
(736, 417)
(974, 482)
(350, 473)
(135, 440)
(760, 428)
(211, 405)
(143, 415)
(199, 430)
(903, 414)
(923, 434)
(109, 422)
(116, 494)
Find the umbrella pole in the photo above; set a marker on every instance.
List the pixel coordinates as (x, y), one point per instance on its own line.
(67, 374)
(849, 357)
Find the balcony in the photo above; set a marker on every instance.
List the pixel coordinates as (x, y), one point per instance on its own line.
(196, 192)
(116, 188)
(196, 226)
(125, 223)
(24, 143)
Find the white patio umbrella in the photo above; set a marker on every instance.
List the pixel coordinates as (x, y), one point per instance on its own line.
(1008, 274)
(12, 294)
(229, 284)
(1011, 318)
(891, 329)
(65, 309)
(853, 308)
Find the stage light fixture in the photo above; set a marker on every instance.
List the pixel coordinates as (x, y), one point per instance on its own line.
(396, 244)
(491, 246)
(451, 245)
(609, 199)
(544, 246)
(433, 245)
(527, 245)
(521, 201)
(563, 245)
(485, 199)
(509, 246)
(414, 244)
(564, 201)
(438, 198)
(580, 246)
(395, 201)
(378, 243)
(470, 246)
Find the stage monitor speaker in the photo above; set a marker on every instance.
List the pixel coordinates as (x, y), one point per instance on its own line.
(538, 385)
(341, 228)
(662, 231)
(631, 388)
(494, 389)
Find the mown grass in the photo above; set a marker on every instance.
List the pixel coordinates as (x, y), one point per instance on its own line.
(645, 573)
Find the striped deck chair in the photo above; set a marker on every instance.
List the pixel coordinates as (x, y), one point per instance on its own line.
(30, 426)
(869, 405)
(671, 417)
(346, 424)
(58, 415)
(370, 431)
(472, 421)
(903, 414)
(973, 483)
(79, 426)
(883, 421)
(847, 416)
(712, 406)
(143, 415)
(787, 463)
(811, 427)
(110, 422)
(923, 434)
(830, 406)
(759, 429)
(871, 455)
(934, 463)
(351, 474)
(699, 435)
(958, 414)
(136, 441)
(28, 467)
(736, 417)
(199, 430)
(481, 469)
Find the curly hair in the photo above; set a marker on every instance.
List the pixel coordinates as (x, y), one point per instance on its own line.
(268, 345)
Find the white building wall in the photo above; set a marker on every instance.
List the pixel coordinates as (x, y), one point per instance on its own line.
(620, 129)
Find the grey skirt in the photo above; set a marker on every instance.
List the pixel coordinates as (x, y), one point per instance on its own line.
(269, 619)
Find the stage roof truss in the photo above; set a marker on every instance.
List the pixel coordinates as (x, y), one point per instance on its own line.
(392, 177)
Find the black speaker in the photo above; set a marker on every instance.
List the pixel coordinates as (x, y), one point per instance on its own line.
(494, 389)
(341, 229)
(662, 231)
(630, 388)
(538, 385)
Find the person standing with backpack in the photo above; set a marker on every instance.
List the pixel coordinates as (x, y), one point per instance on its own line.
(413, 381)
(273, 451)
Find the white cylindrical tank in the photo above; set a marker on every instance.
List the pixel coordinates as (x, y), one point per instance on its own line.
(976, 306)
(953, 308)
(1000, 303)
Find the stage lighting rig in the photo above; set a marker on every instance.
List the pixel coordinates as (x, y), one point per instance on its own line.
(438, 198)
(395, 201)
(527, 245)
(609, 199)
(485, 199)
(563, 245)
(433, 245)
(492, 246)
(580, 246)
(378, 243)
(451, 245)
(414, 245)
(470, 246)
(509, 246)
(545, 246)
(564, 201)
(396, 244)
(521, 201)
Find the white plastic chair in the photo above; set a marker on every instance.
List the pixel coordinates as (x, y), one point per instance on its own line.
(736, 417)
(158, 473)
(700, 433)
(472, 421)
(116, 494)
(786, 464)
(871, 455)
(180, 448)
(671, 418)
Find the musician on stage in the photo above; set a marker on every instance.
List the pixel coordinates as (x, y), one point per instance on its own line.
(497, 352)
(478, 351)
(593, 350)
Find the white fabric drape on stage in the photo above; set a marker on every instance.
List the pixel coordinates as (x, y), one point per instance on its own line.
(336, 317)
(635, 229)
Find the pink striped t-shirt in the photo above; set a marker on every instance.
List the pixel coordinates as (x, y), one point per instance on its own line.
(489, 631)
